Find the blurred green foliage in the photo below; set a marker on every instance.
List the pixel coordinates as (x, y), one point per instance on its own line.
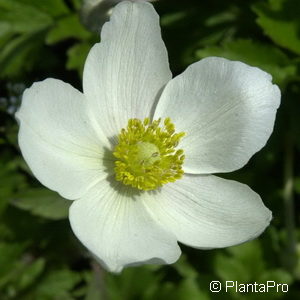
(39, 256)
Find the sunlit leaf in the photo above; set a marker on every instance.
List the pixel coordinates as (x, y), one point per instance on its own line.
(280, 21)
(279, 276)
(19, 54)
(264, 56)
(189, 289)
(65, 28)
(57, 284)
(31, 273)
(239, 265)
(23, 18)
(184, 268)
(5, 28)
(50, 7)
(140, 283)
(9, 255)
(42, 202)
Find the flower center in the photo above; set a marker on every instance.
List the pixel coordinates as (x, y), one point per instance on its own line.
(146, 157)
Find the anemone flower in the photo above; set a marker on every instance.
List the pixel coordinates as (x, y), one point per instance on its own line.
(136, 149)
(94, 13)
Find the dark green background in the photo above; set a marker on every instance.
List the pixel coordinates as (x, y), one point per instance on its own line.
(40, 258)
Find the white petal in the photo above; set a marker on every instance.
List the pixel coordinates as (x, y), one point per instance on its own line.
(206, 211)
(125, 73)
(227, 110)
(112, 222)
(57, 140)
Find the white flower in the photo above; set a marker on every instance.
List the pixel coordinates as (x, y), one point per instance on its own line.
(70, 141)
(94, 13)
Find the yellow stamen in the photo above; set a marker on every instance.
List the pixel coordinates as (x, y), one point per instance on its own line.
(146, 157)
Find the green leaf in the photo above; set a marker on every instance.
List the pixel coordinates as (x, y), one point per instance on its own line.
(57, 284)
(280, 21)
(77, 56)
(297, 185)
(65, 28)
(247, 253)
(264, 56)
(19, 54)
(23, 27)
(22, 17)
(18, 271)
(5, 28)
(10, 180)
(239, 265)
(228, 268)
(184, 268)
(134, 283)
(9, 255)
(43, 203)
(171, 18)
(275, 279)
(189, 289)
(31, 273)
(277, 275)
(50, 7)
(77, 4)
